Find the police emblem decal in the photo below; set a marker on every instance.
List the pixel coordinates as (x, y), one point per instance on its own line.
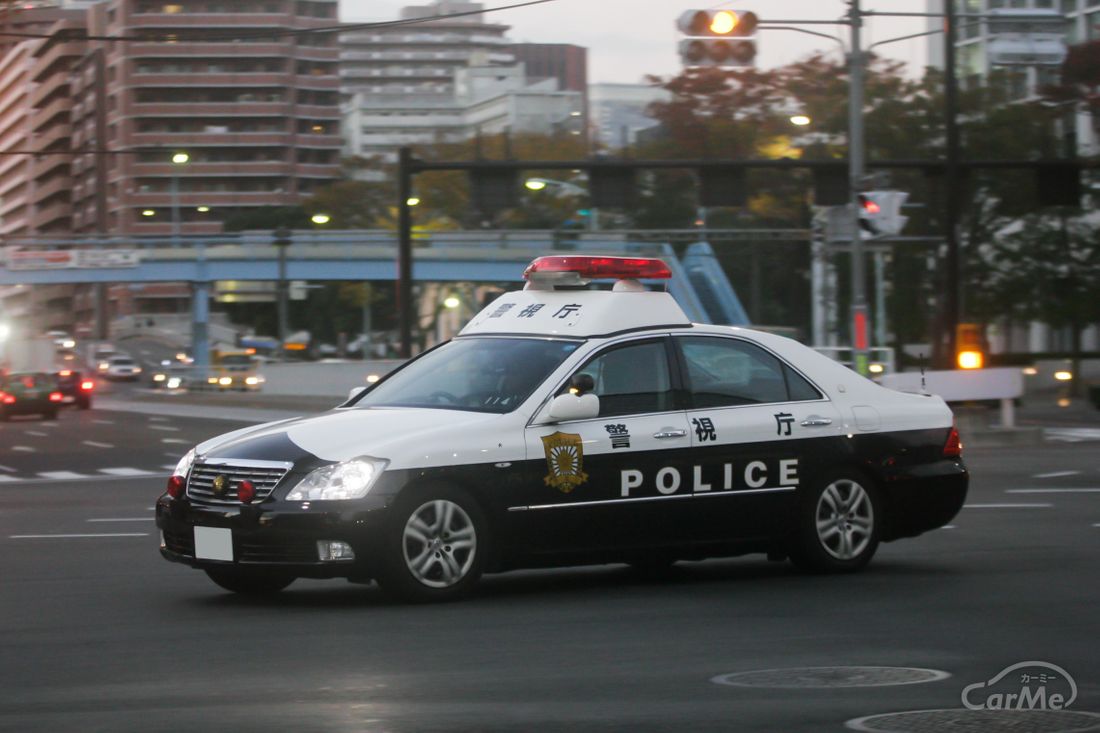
(564, 461)
(221, 483)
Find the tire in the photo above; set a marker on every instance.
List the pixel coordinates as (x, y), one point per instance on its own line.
(249, 582)
(839, 524)
(434, 546)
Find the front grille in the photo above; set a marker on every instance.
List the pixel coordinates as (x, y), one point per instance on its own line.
(265, 476)
(283, 551)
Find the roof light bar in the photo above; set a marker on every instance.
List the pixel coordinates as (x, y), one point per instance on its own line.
(583, 268)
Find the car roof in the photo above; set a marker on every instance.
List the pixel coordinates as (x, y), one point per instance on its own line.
(578, 313)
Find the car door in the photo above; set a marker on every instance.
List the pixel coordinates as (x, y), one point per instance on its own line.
(607, 484)
(756, 424)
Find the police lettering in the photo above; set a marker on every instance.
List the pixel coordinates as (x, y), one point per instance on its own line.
(781, 474)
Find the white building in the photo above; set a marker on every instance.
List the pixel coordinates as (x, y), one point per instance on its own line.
(441, 81)
(618, 112)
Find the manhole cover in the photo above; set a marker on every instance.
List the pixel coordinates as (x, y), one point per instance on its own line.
(979, 721)
(810, 677)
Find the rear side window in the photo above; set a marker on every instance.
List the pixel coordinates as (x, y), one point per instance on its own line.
(728, 372)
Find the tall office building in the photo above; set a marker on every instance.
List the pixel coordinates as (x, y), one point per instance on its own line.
(444, 79)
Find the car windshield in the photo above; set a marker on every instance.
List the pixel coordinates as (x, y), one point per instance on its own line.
(476, 374)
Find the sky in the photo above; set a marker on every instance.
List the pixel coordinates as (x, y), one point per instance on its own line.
(627, 39)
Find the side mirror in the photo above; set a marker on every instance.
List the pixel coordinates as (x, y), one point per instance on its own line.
(574, 407)
(355, 392)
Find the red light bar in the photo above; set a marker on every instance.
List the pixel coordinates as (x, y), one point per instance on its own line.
(595, 268)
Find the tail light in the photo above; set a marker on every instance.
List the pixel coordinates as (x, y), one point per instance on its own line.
(7, 399)
(246, 491)
(87, 385)
(65, 373)
(56, 397)
(953, 448)
(176, 485)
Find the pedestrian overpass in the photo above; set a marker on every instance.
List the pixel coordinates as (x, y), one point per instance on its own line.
(499, 256)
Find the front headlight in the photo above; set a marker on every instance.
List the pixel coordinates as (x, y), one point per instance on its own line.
(348, 480)
(184, 466)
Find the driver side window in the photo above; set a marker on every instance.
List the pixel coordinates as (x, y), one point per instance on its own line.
(632, 379)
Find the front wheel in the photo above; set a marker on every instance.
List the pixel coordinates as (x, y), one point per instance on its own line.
(249, 582)
(839, 525)
(434, 547)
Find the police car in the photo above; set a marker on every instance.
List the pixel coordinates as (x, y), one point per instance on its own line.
(566, 425)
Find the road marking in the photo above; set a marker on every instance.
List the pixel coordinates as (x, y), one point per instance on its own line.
(1071, 435)
(36, 434)
(22, 448)
(175, 441)
(948, 526)
(125, 519)
(158, 419)
(1052, 491)
(94, 444)
(103, 422)
(166, 428)
(1007, 506)
(126, 472)
(1056, 474)
(61, 475)
(170, 466)
(7, 468)
(8, 479)
(74, 536)
(15, 482)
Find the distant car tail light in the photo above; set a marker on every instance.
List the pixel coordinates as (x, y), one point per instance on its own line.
(953, 448)
(87, 385)
(56, 397)
(176, 485)
(65, 373)
(6, 398)
(246, 491)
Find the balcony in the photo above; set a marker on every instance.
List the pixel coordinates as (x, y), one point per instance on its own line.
(322, 83)
(210, 50)
(227, 169)
(194, 140)
(211, 109)
(42, 116)
(204, 79)
(317, 170)
(47, 164)
(47, 215)
(55, 185)
(314, 140)
(214, 21)
(44, 91)
(51, 136)
(43, 65)
(318, 112)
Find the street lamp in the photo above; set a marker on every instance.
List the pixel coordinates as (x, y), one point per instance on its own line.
(565, 187)
(800, 120)
(413, 201)
(320, 219)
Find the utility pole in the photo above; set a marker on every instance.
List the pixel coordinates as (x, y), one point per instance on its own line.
(856, 67)
(950, 317)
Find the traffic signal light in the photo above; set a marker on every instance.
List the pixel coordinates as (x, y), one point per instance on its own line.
(969, 350)
(718, 37)
(880, 213)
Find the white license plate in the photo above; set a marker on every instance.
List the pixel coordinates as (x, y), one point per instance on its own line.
(213, 543)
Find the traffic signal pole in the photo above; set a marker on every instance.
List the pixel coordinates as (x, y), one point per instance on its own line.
(856, 146)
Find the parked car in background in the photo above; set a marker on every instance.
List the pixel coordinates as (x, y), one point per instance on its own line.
(76, 388)
(29, 393)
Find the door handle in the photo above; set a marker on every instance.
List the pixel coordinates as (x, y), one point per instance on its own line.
(670, 434)
(816, 422)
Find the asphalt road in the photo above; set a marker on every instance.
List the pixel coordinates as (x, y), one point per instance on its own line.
(98, 633)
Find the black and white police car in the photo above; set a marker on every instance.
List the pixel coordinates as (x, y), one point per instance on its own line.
(562, 426)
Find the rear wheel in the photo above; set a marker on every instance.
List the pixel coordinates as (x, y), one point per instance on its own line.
(249, 582)
(839, 524)
(434, 547)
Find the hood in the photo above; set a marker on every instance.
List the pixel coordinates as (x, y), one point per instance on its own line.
(404, 436)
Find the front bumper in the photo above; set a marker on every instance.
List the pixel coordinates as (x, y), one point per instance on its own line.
(278, 535)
